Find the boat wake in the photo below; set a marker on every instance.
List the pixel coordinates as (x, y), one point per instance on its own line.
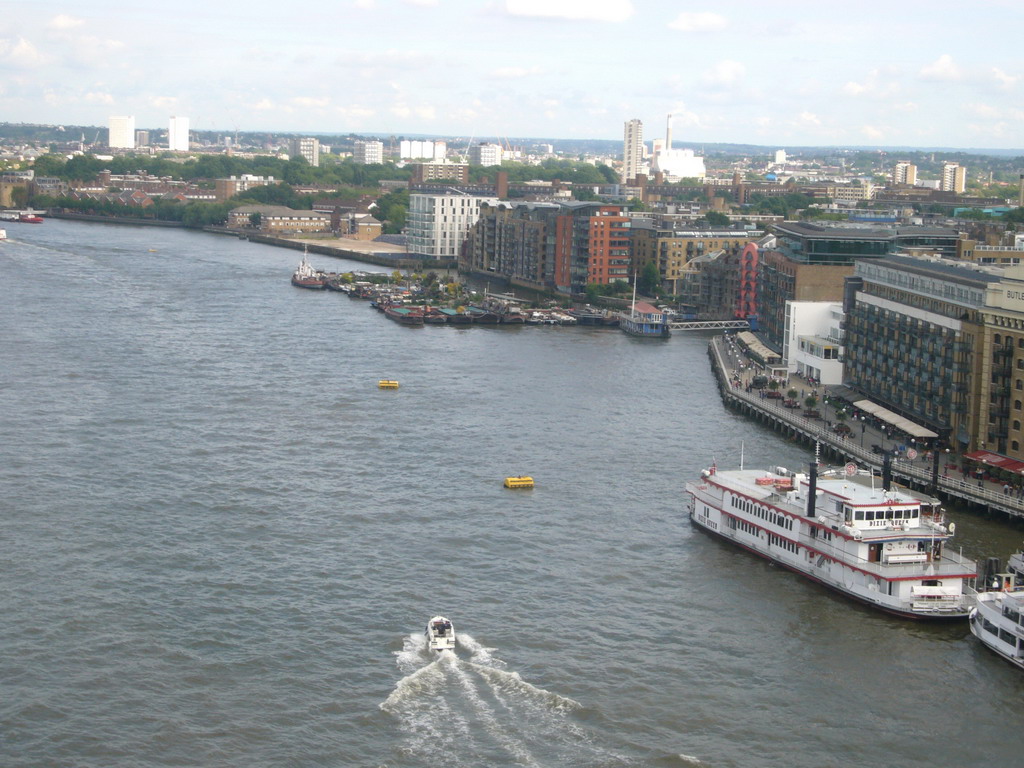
(476, 712)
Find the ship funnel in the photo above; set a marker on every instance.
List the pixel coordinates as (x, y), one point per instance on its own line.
(886, 471)
(812, 489)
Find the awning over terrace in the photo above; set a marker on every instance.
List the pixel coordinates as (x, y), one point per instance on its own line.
(906, 425)
(996, 460)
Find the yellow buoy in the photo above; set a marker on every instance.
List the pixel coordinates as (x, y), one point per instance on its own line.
(387, 384)
(519, 482)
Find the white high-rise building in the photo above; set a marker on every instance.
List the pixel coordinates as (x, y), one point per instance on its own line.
(437, 225)
(954, 178)
(121, 133)
(422, 150)
(904, 173)
(485, 154)
(632, 150)
(780, 157)
(177, 134)
(308, 147)
(368, 153)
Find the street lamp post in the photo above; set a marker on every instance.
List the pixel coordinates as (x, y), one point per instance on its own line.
(863, 426)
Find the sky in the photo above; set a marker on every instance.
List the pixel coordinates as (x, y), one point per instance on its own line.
(783, 73)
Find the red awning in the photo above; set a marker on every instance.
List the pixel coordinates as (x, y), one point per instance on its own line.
(996, 460)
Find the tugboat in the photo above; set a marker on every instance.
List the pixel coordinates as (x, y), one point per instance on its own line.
(307, 277)
(440, 634)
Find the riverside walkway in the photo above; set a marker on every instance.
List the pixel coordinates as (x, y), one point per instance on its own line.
(933, 476)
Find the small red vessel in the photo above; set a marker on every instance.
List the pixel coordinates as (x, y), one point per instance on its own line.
(30, 218)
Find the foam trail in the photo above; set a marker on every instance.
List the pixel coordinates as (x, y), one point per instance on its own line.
(501, 680)
(411, 655)
(424, 680)
(480, 654)
(517, 749)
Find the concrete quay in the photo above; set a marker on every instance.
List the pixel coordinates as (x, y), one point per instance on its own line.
(940, 476)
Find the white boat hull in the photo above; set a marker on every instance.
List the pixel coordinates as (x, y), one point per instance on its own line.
(440, 634)
(997, 631)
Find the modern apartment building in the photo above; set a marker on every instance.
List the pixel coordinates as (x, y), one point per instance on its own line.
(560, 245)
(307, 147)
(485, 154)
(225, 189)
(905, 173)
(914, 342)
(422, 150)
(439, 170)
(368, 153)
(632, 150)
(512, 240)
(671, 249)
(177, 134)
(1001, 389)
(811, 261)
(954, 178)
(121, 133)
(437, 225)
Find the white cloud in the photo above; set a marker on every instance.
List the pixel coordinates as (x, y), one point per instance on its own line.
(21, 54)
(943, 69)
(575, 10)
(725, 72)
(164, 102)
(355, 112)
(63, 21)
(1005, 80)
(423, 3)
(854, 89)
(310, 102)
(400, 110)
(99, 98)
(426, 113)
(511, 73)
(699, 22)
(809, 118)
(263, 105)
(877, 134)
(984, 110)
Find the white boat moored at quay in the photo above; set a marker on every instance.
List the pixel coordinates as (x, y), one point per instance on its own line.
(883, 546)
(997, 619)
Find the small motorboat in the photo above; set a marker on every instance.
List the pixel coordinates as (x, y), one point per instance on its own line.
(440, 634)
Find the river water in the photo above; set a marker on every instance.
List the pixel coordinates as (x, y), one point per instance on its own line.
(221, 542)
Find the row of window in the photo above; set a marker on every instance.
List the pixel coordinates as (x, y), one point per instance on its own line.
(1004, 635)
(908, 515)
(781, 543)
(765, 513)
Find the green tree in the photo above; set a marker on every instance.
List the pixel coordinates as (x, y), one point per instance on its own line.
(716, 219)
(649, 279)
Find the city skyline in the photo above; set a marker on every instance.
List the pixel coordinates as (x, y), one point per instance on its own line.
(792, 74)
